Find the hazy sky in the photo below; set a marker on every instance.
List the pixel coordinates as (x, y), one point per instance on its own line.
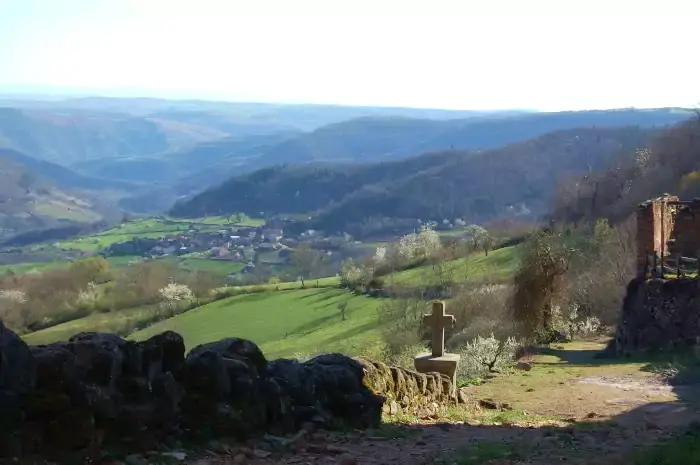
(442, 54)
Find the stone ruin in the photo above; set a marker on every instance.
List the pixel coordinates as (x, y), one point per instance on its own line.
(98, 391)
(668, 235)
(662, 305)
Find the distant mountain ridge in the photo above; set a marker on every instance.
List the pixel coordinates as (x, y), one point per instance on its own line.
(518, 179)
(362, 140)
(146, 153)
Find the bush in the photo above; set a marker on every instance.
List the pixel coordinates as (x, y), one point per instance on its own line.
(481, 310)
(487, 354)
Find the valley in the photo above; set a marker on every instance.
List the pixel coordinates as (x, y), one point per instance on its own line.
(320, 235)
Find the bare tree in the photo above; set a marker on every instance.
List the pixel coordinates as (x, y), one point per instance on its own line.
(305, 261)
(343, 306)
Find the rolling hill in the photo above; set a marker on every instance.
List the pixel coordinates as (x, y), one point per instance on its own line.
(61, 176)
(518, 179)
(190, 170)
(30, 203)
(383, 139)
(218, 159)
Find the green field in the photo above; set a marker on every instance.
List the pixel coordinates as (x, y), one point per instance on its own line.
(151, 228)
(21, 268)
(282, 323)
(283, 318)
(221, 268)
(498, 264)
(101, 322)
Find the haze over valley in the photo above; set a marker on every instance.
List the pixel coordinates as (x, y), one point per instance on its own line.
(276, 232)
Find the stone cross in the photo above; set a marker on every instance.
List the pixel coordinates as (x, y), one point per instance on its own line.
(438, 320)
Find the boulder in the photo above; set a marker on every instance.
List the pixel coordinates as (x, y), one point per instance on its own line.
(17, 380)
(17, 369)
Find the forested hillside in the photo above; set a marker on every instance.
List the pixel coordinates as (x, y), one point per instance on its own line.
(670, 163)
(516, 180)
(372, 139)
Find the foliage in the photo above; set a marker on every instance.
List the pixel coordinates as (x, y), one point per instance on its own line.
(380, 255)
(424, 244)
(353, 276)
(365, 199)
(545, 262)
(479, 238)
(487, 354)
(306, 261)
(601, 271)
(665, 163)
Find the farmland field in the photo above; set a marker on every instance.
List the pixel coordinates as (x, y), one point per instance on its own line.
(151, 228)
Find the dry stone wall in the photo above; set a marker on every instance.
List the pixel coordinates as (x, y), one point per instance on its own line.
(659, 313)
(99, 390)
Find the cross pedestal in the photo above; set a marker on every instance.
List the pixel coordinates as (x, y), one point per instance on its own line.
(437, 360)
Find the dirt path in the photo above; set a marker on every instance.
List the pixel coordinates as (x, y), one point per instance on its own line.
(569, 407)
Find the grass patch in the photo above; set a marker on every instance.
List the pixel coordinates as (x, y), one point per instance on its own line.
(66, 211)
(112, 322)
(153, 228)
(22, 268)
(500, 263)
(282, 323)
(221, 268)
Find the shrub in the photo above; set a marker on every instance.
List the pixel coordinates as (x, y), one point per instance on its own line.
(486, 354)
(539, 281)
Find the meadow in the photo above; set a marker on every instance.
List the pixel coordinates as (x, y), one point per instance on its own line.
(283, 324)
(283, 318)
(499, 264)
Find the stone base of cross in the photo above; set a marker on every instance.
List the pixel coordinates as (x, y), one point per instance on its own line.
(438, 361)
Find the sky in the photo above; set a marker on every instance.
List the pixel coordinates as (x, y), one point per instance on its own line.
(464, 54)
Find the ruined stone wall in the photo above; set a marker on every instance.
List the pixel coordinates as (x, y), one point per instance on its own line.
(659, 313)
(655, 227)
(98, 390)
(407, 391)
(668, 227)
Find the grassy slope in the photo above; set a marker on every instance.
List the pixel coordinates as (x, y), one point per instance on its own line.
(271, 304)
(282, 323)
(21, 268)
(498, 264)
(102, 322)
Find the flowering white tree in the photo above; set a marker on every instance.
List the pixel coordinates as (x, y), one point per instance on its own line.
(13, 295)
(479, 238)
(352, 275)
(486, 354)
(12, 308)
(380, 255)
(172, 294)
(89, 295)
(425, 243)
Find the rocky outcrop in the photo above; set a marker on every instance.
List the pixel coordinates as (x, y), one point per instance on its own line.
(658, 314)
(99, 390)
